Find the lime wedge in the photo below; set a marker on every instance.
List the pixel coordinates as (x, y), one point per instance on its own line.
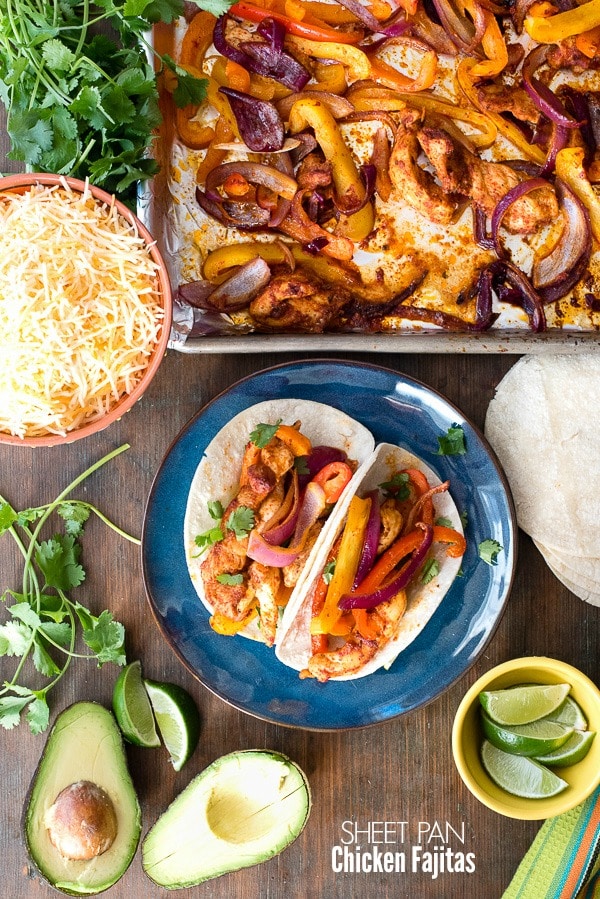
(571, 713)
(132, 707)
(523, 704)
(178, 720)
(520, 776)
(574, 750)
(538, 738)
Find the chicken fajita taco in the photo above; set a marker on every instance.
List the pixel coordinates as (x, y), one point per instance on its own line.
(391, 554)
(260, 502)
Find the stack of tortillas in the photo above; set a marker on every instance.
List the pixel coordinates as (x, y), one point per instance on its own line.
(544, 424)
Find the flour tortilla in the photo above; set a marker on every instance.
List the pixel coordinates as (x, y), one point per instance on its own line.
(217, 474)
(544, 424)
(294, 644)
(580, 575)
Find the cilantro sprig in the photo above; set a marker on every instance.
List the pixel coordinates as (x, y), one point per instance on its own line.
(43, 622)
(83, 102)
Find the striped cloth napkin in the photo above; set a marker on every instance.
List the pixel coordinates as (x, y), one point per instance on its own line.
(563, 861)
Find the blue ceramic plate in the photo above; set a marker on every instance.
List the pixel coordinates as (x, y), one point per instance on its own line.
(246, 674)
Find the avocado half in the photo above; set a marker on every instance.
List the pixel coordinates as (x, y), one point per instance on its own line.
(85, 748)
(243, 809)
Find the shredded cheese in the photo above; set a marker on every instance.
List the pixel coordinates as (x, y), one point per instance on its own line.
(80, 310)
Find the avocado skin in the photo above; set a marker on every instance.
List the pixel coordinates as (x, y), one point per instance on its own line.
(63, 761)
(217, 824)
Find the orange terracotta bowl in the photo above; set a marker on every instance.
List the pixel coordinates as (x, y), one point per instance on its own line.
(19, 183)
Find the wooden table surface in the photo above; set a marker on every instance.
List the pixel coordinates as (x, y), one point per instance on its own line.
(398, 771)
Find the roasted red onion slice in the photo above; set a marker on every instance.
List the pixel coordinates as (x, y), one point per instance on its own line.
(512, 286)
(514, 194)
(255, 172)
(563, 267)
(545, 100)
(312, 507)
(369, 550)
(286, 69)
(463, 33)
(234, 293)
(397, 583)
(258, 121)
(280, 528)
(391, 28)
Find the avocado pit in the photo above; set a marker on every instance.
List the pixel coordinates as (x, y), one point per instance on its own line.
(82, 821)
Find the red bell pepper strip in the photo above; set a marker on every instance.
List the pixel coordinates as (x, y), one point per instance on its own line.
(333, 479)
(294, 26)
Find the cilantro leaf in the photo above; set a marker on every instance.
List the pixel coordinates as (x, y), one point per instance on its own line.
(397, 486)
(15, 638)
(430, 571)
(43, 661)
(190, 90)
(262, 433)
(444, 522)
(216, 7)
(8, 516)
(232, 580)
(453, 442)
(215, 509)
(106, 638)
(38, 715)
(488, 551)
(301, 464)
(11, 708)
(75, 516)
(241, 521)
(58, 560)
(328, 571)
(207, 539)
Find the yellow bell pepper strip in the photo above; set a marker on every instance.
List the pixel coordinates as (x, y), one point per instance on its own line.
(330, 78)
(355, 61)
(218, 264)
(346, 178)
(345, 566)
(315, 32)
(569, 168)
(391, 77)
(511, 132)
(552, 29)
(227, 626)
(493, 43)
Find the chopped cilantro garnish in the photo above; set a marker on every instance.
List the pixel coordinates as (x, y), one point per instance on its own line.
(215, 509)
(232, 580)
(241, 521)
(328, 571)
(444, 523)
(262, 433)
(488, 551)
(301, 465)
(397, 486)
(208, 538)
(464, 518)
(431, 569)
(453, 442)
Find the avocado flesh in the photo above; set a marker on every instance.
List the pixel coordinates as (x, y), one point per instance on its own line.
(242, 810)
(84, 744)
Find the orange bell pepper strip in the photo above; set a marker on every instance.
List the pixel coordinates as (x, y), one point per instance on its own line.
(346, 565)
(552, 29)
(312, 113)
(588, 42)
(391, 77)
(365, 624)
(494, 46)
(197, 39)
(392, 557)
(455, 540)
(333, 478)
(214, 156)
(298, 443)
(315, 32)
(320, 642)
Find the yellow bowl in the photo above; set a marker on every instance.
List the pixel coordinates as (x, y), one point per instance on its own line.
(20, 183)
(583, 778)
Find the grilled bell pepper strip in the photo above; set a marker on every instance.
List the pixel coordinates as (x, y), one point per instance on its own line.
(227, 626)
(308, 112)
(298, 443)
(194, 44)
(493, 43)
(570, 169)
(215, 156)
(391, 77)
(552, 29)
(333, 478)
(588, 42)
(454, 539)
(354, 60)
(513, 134)
(386, 563)
(316, 32)
(345, 567)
